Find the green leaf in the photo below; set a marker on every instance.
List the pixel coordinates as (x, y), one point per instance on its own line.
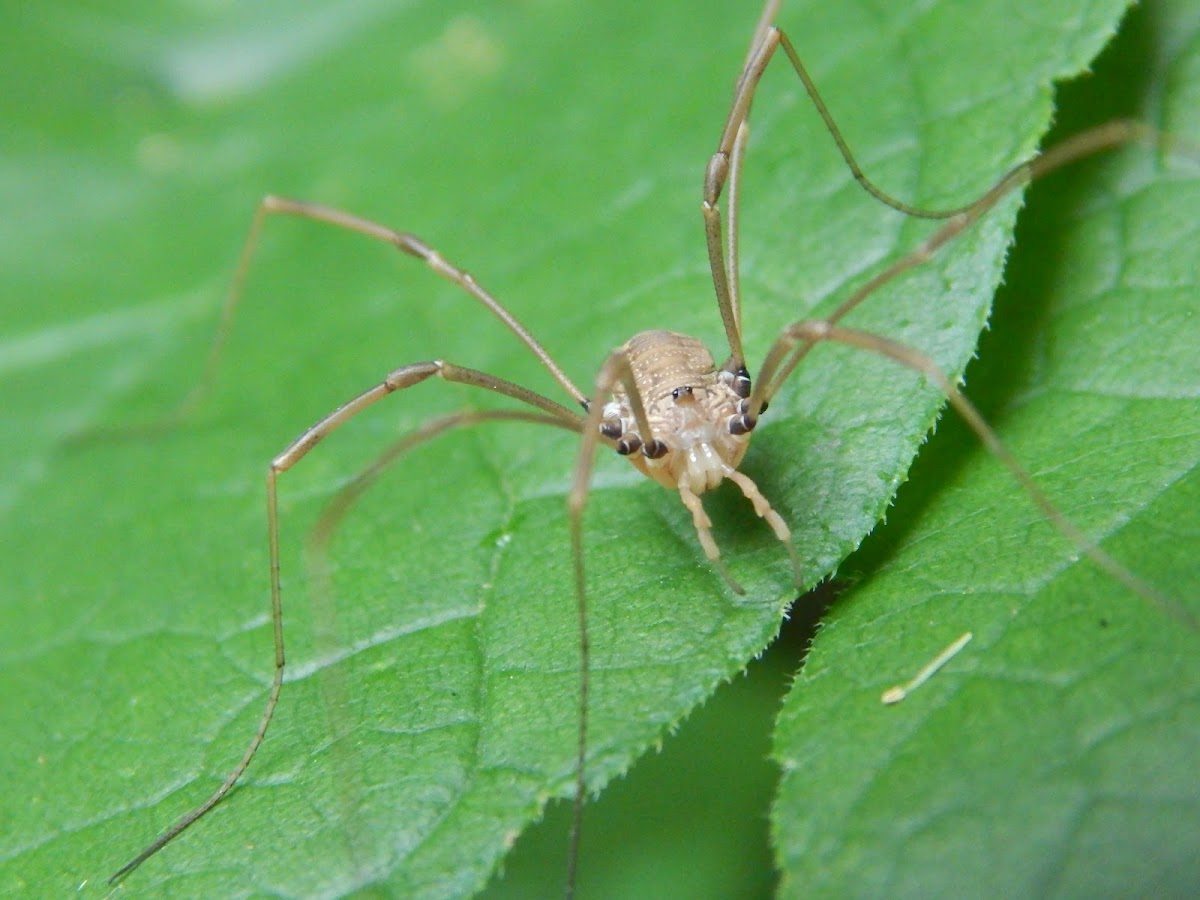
(1056, 755)
(429, 711)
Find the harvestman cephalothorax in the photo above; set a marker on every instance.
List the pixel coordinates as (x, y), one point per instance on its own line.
(660, 399)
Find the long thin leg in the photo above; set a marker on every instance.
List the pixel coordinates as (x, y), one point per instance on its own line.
(737, 157)
(732, 266)
(725, 165)
(404, 377)
(798, 339)
(778, 365)
(402, 241)
(615, 369)
(814, 331)
(340, 505)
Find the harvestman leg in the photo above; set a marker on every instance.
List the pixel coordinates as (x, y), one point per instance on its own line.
(810, 332)
(778, 364)
(618, 371)
(1087, 143)
(338, 506)
(404, 377)
(736, 157)
(726, 163)
(800, 337)
(406, 243)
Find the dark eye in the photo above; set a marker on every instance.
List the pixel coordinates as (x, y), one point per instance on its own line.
(679, 392)
(656, 449)
(741, 383)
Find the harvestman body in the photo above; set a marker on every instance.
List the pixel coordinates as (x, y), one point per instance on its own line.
(660, 399)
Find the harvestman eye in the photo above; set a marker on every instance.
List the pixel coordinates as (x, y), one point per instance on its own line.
(659, 399)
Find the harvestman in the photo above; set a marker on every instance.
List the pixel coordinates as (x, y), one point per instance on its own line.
(659, 400)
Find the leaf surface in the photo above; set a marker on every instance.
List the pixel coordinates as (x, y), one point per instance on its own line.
(429, 711)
